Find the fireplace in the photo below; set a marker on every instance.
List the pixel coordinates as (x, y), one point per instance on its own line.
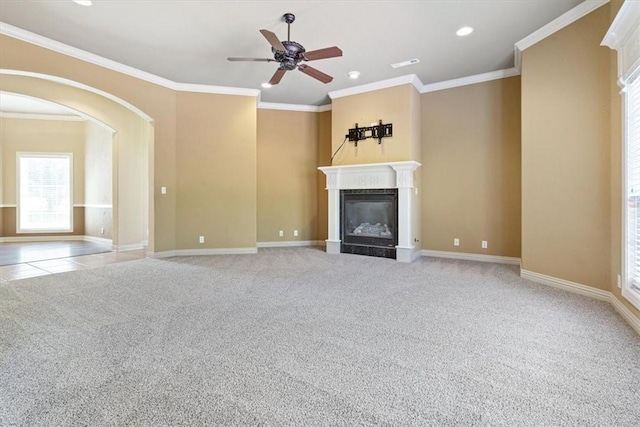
(381, 180)
(369, 222)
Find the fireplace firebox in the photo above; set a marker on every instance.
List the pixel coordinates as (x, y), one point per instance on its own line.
(369, 222)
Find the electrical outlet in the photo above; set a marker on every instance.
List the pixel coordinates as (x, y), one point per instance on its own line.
(101, 230)
(201, 239)
(281, 233)
(619, 282)
(163, 190)
(484, 244)
(295, 233)
(456, 242)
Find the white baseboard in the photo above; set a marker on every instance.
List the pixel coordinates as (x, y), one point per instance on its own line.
(471, 257)
(585, 290)
(566, 285)
(626, 314)
(290, 243)
(100, 240)
(119, 248)
(199, 252)
(18, 239)
(125, 248)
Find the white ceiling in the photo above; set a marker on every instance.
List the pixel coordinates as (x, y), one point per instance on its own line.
(12, 103)
(188, 41)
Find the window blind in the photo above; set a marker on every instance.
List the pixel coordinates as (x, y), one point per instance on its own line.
(44, 192)
(633, 179)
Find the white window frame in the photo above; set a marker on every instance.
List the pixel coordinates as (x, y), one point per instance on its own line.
(629, 291)
(624, 37)
(19, 228)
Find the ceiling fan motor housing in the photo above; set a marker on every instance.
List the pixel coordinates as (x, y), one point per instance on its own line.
(291, 56)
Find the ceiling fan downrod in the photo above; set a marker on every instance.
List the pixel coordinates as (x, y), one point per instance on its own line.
(289, 18)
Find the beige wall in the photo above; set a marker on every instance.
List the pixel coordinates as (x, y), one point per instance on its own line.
(40, 136)
(98, 181)
(324, 159)
(216, 165)
(156, 101)
(287, 175)
(130, 175)
(415, 140)
(392, 105)
(471, 168)
(9, 217)
(566, 163)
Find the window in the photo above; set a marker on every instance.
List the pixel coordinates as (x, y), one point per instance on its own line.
(631, 289)
(44, 192)
(624, 37)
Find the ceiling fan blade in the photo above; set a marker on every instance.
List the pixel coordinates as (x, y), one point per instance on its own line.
(277, 76)
(252, 59)
(273, 40)
(316, 74)
(327, 52)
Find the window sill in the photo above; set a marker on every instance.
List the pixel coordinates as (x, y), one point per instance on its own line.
(44, 231)
(632, 296)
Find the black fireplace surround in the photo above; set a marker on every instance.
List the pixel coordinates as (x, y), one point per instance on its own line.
(369, 222)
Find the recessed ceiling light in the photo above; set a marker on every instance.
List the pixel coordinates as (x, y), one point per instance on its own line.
(405, 63)
(83, 2)
(266, 85)
(353, 74)
(464, 31)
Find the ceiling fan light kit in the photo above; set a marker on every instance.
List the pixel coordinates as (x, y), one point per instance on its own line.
(290, 54)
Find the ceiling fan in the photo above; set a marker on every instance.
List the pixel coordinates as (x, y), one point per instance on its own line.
(289, 54)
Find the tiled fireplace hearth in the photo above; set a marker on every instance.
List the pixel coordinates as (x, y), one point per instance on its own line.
(394, 175)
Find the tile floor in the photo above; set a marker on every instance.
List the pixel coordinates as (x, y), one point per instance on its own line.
(59, 265)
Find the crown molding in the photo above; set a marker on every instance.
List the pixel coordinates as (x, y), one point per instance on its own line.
(383, 84)
(219, 90)
(81, 86)
(83, 55)
(294, 107)
(36, 116)
(469, 80)
(623, 25)
(47, 43)
(564, 20)
(557, 24)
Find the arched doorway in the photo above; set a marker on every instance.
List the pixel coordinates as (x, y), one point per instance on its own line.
(130, 133)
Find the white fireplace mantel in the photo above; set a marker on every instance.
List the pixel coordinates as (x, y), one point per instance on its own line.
(369, 176)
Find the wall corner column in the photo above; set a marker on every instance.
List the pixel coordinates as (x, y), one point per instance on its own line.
(333, 241)
(404, 184)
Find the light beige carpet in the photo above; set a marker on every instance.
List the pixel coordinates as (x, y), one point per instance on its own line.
(299, 337)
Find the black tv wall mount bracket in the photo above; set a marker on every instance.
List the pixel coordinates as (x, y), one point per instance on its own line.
(378, 132)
